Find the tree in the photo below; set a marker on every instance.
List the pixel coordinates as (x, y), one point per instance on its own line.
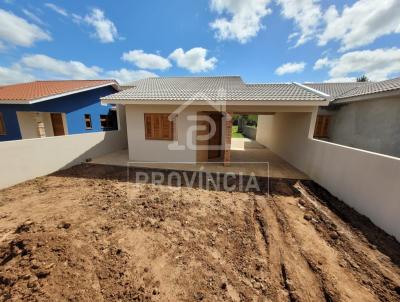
(363, 78)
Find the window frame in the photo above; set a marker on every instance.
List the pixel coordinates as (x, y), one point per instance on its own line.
(107, 119)
(158, 136)
(88, 117)
(2, 125)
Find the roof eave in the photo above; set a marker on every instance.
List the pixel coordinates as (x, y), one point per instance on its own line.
(206, 102)
(55, 96)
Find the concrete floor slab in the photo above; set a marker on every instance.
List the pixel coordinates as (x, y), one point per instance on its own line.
(260, 162)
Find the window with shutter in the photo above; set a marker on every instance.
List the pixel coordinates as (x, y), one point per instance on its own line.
(322, 126)
(2, 125)
(158, 126)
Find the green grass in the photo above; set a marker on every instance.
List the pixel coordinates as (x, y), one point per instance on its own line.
(235, 133)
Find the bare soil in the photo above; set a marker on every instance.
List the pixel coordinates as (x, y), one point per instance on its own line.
(85, 234)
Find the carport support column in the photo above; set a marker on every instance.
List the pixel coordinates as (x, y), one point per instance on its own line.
(228, 136)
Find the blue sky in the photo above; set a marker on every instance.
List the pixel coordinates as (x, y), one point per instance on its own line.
(261, 40)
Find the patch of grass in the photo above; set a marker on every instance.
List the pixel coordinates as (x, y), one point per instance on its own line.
(235, 133)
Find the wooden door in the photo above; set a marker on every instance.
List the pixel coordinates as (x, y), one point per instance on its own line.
(58, 125)
(216, 139)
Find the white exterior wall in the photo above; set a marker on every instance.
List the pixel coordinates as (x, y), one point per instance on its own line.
(141, 149)
(21, 160)
(367, 181)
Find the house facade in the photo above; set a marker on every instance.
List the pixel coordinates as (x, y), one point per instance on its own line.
(188, 120)
(53, 108)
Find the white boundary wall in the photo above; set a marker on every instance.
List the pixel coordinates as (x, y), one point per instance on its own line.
(21, 160)
(367, 181)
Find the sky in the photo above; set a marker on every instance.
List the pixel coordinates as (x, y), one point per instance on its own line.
(263, 41)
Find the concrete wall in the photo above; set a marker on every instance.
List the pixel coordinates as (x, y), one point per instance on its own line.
(367, 181)
(22, 160)
(371, 125)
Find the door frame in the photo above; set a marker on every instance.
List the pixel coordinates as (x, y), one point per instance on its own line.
(60, 114)
(202, 154)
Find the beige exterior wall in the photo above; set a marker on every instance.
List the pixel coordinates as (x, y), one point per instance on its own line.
(367, 181)
(141, 149)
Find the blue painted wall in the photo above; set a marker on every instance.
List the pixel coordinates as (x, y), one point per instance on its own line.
(75, 106)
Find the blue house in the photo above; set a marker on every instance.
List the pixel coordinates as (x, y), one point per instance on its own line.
(53, 108)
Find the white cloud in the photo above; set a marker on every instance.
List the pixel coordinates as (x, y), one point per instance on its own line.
(341, 80)
(245, 18)
(361, 24)
(290, 68)
(125, 76)
(32, 16)
(377, 65)
(14, 74)
(57, 9)
(193, 60)
(105, 29)
(38, 66)
(146, 60)
(321, 63)
(17, 31)
(52, 67)
(306, 15)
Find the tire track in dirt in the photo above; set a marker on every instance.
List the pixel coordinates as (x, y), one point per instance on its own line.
(361, 263)
(285, 261)
(322, 289)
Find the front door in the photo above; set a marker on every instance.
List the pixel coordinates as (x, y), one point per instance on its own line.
(215, 141)
(58, 125)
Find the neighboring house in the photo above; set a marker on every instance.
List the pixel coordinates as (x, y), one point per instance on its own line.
(161, 113)
(363, 115)
(53, 108)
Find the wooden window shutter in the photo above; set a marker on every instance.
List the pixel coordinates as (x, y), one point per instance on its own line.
(166, 127)
(322, 126)
(158, 126)
(148, 126)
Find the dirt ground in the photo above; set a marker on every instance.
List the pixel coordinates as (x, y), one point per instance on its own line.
(84, 234)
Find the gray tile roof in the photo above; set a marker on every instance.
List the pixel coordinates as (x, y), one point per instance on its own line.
(335, 89)
(223, 88)
(232, 88)
(371, 88)
(344, 92)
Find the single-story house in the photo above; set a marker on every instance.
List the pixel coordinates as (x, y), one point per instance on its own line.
(52, 108)
(363, 115)
(168, 118)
